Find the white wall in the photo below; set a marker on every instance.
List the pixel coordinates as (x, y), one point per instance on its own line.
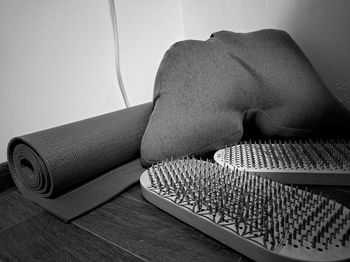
(57, 59)
(147, 28)
(321, 28)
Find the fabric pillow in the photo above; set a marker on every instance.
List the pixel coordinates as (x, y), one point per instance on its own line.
(208, 93)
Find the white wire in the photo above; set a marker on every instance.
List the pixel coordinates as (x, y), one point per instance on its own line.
(117, 62)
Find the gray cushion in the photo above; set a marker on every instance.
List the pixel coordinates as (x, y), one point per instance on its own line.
(208, 93)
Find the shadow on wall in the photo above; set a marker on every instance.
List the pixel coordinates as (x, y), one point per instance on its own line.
(320, 26)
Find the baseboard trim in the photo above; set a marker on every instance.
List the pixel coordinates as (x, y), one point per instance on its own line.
(6, 180)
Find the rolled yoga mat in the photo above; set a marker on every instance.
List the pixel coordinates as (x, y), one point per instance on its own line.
(71, 169)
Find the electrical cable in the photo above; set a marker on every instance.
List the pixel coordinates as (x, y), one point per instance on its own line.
(117, 62)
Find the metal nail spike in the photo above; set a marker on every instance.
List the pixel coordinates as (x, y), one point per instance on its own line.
(261, 211)
(303, 158)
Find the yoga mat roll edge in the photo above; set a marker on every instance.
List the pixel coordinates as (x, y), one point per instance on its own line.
(71, 169)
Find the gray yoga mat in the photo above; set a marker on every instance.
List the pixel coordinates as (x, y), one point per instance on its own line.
(71, 169)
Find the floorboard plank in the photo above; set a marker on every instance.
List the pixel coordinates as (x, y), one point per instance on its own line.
(8, 190)
(135, 192)
(45, 238)
(153, 234)
(14, 208)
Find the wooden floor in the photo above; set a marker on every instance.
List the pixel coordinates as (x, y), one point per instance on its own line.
(125, 229)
